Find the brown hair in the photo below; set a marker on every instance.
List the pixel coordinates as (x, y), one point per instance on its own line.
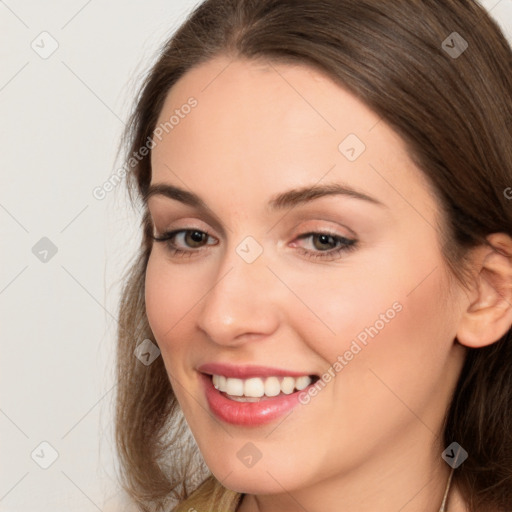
(454, 114)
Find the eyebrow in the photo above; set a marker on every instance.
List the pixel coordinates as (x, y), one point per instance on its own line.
(283, 200)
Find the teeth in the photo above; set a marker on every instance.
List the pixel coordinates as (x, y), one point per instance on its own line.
(272, 386)
(236, 386)
(288, 385)
(255, 387)
(302, 382)
(252, 387)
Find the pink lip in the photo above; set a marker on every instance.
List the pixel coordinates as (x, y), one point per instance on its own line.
(246, 371)
(248, 413)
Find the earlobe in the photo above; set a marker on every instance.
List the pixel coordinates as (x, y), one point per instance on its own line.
(489, 315)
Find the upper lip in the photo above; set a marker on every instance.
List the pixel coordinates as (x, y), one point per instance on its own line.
(246, 371)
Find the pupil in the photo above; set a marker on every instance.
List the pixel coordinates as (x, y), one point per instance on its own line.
(324, 239)
(196, 236)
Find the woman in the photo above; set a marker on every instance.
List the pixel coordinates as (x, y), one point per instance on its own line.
(326, 262)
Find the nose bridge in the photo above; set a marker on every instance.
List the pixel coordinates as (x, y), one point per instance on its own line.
(239, 300)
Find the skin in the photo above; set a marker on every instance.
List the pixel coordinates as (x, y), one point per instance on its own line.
(371, 439)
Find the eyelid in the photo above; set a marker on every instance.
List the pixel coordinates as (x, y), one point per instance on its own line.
(323, 226)
(184, 226)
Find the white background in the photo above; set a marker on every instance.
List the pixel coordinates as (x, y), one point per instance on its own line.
(61, 119)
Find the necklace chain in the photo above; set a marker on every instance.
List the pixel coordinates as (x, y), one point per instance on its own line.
(446, 492)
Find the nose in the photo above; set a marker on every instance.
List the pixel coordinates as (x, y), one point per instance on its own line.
(242, 303)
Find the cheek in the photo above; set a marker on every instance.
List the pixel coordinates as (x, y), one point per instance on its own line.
(393, 338)
(169, 297)
(393, 318)
(405, 354)
(159, 300)
(341, 305)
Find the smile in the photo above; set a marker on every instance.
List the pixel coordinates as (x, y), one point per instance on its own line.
(245, 402)
(250, 390)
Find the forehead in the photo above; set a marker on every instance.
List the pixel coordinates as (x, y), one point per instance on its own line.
(261, 127)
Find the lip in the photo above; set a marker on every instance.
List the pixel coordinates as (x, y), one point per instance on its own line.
(247, 371)
(248, 413)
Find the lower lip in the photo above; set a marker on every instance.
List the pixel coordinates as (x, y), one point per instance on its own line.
(248, 413)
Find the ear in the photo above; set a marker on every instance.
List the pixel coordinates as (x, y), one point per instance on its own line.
(489, 314)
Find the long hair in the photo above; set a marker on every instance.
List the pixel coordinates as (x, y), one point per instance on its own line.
(440, 74)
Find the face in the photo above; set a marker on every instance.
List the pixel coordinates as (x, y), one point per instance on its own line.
(345, 282)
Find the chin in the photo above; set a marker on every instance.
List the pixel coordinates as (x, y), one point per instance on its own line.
(261, 481)
(252, 484)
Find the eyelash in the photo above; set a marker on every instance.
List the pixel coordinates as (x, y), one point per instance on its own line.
(347, 245)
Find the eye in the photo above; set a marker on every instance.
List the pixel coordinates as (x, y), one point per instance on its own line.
(327, 246)
(193, 239)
